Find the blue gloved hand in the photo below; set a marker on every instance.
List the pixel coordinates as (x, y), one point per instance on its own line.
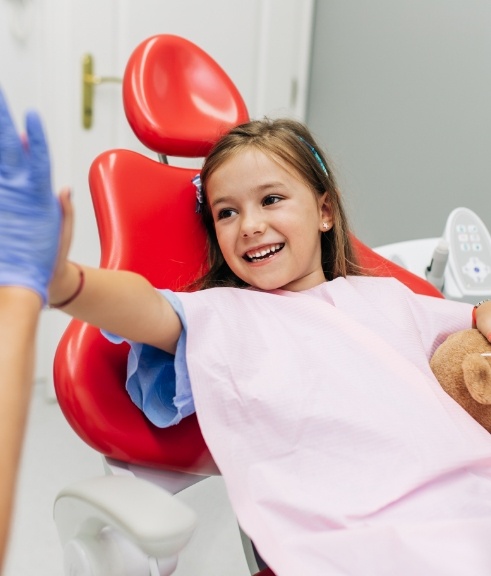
(30, 214)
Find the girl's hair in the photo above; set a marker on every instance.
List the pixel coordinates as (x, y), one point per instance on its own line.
(291, 143)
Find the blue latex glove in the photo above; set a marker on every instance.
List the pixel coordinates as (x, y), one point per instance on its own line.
(30, 214)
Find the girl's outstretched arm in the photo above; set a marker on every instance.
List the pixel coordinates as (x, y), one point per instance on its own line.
(123, 303)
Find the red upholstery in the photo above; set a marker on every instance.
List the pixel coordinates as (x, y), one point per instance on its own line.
(147, 223)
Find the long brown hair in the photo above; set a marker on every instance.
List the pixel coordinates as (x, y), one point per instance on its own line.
(292, 144)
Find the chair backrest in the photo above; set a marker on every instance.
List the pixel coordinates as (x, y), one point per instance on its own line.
(178, 101)
(177, 98)
(147, 224)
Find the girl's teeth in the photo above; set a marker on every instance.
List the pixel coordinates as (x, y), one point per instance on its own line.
(262, 253)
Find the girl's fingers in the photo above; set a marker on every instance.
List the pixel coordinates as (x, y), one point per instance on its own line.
(483, 316)
(66, 229)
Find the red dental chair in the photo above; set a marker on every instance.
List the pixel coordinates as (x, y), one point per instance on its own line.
(178, 101)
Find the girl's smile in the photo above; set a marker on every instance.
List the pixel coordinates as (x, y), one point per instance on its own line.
(263, 252)
(268, 222)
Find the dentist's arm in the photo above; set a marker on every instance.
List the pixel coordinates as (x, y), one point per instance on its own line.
(19, 312)
(29, 236)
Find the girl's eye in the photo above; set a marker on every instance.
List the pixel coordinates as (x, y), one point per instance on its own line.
(226, 213)
(271, 200)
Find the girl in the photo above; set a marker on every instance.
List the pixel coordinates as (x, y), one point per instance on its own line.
(340, 451)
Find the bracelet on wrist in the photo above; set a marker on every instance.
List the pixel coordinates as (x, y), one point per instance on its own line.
(474, 310)
(77, 291)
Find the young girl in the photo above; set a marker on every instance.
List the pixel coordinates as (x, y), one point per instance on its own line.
(341, 453)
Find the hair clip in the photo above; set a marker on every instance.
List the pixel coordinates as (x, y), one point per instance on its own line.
(316, 155)
(199, 193)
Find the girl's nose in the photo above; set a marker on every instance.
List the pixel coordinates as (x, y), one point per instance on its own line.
(252, 224)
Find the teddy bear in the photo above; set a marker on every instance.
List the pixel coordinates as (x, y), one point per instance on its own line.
(462, 366)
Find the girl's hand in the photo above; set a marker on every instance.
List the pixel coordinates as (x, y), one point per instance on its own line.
(483, 319)
(30, 215)
(65, 236)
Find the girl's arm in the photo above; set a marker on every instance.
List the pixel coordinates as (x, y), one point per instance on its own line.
(123, 303)
(482, 316)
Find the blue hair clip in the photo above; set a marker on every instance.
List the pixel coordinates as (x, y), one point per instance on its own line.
(316, 155)
(199, 193)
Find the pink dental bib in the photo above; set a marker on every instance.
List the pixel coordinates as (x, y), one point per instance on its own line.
(341, 453)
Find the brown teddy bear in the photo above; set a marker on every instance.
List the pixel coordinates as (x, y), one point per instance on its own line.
(462, 366)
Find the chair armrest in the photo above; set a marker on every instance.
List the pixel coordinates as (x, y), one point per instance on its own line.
(148, 516)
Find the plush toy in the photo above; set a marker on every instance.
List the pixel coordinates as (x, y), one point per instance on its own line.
(462, 366)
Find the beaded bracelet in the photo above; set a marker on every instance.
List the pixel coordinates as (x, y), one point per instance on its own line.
(77, 291)
(474, 324)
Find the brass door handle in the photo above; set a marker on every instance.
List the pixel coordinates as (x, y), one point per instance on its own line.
(89, 81)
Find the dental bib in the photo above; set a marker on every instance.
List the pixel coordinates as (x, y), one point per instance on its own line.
(341, 453)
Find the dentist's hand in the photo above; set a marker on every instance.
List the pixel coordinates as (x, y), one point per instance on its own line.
(30, 214)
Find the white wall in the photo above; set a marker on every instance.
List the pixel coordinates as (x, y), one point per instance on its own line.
(400, 96)
(20, 47)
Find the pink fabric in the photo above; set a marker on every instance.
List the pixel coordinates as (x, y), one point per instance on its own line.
(341, 453)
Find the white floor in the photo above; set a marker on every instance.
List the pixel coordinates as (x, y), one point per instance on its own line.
(55, 457)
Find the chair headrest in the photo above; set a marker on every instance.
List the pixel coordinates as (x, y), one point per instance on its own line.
(177, 99)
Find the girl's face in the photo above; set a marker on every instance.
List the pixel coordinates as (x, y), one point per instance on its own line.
(268, 222)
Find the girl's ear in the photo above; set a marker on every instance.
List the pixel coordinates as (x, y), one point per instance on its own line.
(325, 213)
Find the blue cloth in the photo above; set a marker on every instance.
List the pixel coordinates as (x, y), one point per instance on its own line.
(158, 382)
